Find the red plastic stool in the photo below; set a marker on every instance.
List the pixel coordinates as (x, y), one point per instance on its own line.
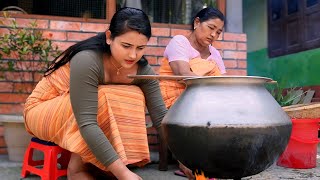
(51, 153)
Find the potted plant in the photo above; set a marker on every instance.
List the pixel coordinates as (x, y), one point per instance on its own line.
(294, 101)
(24, 55)
(287, 97)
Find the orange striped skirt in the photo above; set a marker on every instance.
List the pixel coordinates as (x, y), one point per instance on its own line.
(171, 89)
(121, 116)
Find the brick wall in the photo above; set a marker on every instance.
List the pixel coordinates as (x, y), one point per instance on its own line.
(233, 48)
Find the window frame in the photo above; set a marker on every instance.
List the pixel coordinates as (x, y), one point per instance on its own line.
(283, 42)
(110, 10)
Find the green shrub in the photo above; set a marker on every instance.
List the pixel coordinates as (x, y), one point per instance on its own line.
(24, 52)
(286, 96)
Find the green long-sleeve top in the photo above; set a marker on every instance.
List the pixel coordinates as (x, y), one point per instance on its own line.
(86, 74)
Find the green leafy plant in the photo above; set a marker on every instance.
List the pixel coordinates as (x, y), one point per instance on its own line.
(286, 96)
(24, 52)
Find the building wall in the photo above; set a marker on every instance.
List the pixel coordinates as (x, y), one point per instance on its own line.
(232, 47)
(255, 24)
(294, 70)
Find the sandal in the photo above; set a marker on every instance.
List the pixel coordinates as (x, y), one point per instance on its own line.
(179, 173)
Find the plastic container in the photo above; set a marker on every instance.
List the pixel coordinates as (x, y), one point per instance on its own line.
(301, 152)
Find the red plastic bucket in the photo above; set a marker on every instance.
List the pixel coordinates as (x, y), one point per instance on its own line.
(301, 152)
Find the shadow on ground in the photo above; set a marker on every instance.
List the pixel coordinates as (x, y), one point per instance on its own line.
(11, 171)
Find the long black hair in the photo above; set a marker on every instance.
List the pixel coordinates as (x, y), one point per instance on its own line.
(124, 20)
(208, 13)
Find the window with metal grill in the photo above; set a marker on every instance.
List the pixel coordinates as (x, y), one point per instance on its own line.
(293, 26)
(159, 11)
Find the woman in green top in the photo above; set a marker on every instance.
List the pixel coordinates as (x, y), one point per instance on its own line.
(87, 104)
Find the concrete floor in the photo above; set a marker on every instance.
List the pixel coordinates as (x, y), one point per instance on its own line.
(11, 171)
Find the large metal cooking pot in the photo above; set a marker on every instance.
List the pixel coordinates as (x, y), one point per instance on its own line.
(227, 126)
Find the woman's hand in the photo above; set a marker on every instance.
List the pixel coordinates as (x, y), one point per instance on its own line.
(129, 175)
(181, 68)
(121, 171)
(186, 171)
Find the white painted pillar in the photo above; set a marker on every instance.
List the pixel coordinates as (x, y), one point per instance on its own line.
(234, 16)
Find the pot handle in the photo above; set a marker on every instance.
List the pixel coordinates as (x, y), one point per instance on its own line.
(272, 82)
(305, 141)
(8, 8)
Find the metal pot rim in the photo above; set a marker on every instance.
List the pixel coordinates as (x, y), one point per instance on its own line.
(228, 79)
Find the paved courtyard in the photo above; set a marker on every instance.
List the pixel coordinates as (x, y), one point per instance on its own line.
(11, 171)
